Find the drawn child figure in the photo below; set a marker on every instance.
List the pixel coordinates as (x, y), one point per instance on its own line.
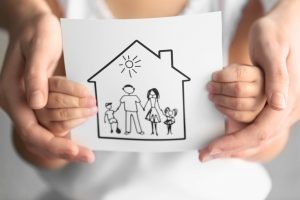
(170, 115)
(153, 115)
(110, 116)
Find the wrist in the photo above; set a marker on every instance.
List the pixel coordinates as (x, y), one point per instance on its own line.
(17, 13)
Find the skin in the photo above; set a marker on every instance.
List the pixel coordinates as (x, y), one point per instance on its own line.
(273, 45)
(35, 49)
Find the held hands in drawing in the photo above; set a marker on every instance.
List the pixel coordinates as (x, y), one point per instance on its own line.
(274, 46)
(69, 105)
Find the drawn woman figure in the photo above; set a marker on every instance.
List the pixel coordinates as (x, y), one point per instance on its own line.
(170, 115)
(153, 115)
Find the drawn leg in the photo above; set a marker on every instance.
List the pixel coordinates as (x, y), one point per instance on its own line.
(111, 128)
(128, 123)
(152, 127)
(117, 128)
(137, 123)
(155, 127)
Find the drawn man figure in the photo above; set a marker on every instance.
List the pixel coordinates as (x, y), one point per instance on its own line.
(110, 116)
(131, 102)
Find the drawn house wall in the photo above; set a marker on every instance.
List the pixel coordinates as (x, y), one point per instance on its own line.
(144, 70)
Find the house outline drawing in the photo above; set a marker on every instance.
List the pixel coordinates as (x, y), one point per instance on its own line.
(184, 78)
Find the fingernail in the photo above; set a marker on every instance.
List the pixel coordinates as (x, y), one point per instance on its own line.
(214, 76)
(86, 159)
(278, 100)
(212, 157)
(36, 100)
(93, 110)
(92, 101)
(210, 88)
(85, 93)
(210, 97)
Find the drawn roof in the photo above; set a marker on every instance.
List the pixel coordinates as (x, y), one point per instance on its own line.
(141, 44)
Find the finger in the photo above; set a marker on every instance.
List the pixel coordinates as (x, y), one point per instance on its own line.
(65, 86)
(84, 155)
(276, 75)
(240, 116)
(237, 73)
(58, 100)
(240, 104)
(70, 113)
(235, 89)
(254, 135)
(59, 128)
(39, 66)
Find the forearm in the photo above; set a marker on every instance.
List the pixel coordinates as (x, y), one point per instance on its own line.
(14, 12)
(45, 162)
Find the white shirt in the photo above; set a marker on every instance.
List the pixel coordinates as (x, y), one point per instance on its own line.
(161, 176)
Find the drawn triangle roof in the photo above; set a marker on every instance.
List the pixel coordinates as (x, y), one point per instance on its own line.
(137, 42)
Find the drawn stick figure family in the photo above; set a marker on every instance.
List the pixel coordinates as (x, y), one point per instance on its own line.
(130, 103)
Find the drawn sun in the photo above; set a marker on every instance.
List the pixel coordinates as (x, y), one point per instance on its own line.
(130, 65)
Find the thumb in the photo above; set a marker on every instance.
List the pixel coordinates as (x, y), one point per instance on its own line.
(36, 76)
(273, 63)
(277, 84)
(232, 126)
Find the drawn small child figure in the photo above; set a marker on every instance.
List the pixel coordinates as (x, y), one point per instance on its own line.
(110, 115)
(170, 115)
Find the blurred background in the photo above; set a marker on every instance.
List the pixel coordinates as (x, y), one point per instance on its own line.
(18, 181)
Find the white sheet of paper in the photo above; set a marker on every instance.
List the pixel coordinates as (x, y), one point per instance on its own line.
(149, 77)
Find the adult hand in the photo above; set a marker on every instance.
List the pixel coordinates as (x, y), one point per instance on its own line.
(34, 49)
(275, 47)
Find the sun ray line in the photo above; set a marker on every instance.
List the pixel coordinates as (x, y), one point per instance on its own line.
(137, 66)
(134, 71)
(134, 58)
(130, 74)
(120, 64)
(137, 61)
(128, 57)
(123, 70)
(124, 57)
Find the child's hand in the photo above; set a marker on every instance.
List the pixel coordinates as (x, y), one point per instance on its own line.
(69, 105)
(238, 92)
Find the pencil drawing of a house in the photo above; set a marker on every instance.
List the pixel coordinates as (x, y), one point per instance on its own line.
(140, 96)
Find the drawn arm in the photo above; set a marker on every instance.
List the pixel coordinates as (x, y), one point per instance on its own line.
(119, 105)
(145, 105)
(159, 107)
(105, 116)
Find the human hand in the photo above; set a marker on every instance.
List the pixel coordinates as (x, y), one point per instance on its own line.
(68, 106)
(237, 92)
(35, 47)
(33, 51)
(274, 46)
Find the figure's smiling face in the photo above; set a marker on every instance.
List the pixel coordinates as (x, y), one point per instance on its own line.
(108, 107)
(152, 94)
(129, 90)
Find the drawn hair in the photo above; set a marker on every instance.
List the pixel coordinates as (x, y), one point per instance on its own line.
(128, 85)
(108, 104)
(167, 109)
(175, 111)
(155, 92)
